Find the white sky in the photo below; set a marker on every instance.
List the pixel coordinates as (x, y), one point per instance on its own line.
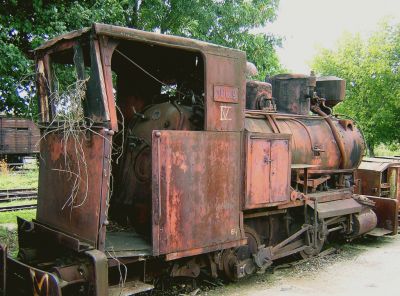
(306, 25)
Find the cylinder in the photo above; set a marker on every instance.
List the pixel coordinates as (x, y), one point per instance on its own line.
(364, 222)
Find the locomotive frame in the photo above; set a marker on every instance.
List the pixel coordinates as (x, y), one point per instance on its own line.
(210, 184)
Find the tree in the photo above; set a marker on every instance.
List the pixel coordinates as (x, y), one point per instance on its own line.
(26, 24)
(371, 68)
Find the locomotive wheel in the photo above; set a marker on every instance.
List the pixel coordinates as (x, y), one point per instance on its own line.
(229, 260)
(313, 250)
(232, 257)
(253, 241)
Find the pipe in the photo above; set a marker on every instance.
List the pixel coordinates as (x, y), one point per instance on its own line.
(343, 159)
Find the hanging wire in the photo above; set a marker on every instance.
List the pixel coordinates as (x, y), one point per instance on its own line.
(149, 74)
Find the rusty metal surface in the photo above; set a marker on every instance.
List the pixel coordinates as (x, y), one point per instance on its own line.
(64, 174)
(51, 236)
(336, 208)
(379, 177)
(292, 92)
(267, 169)
(224, 69)
(312, 139)
(196, 178)
(224, 114)
(364, 222)
(386, 210)
(182, 191)
(133, 34)
(66, 36)
(106, 49)
(259, 96)
(344, 158)
(369, 181)
(160, 39)
(332, 89)
(100, 272)
(331, 195)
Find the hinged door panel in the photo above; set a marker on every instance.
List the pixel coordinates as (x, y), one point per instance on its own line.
(267, 169)
(196, 192)
(280, 170)
(73, 184)
(258, 172)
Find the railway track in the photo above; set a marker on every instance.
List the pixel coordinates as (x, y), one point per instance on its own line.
(17, 208)
(17, 194)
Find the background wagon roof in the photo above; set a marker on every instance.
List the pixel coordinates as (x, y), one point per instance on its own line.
(139, 35)
(378, 164)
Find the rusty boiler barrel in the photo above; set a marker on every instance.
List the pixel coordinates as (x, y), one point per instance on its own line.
(330, 142)
(312, 139)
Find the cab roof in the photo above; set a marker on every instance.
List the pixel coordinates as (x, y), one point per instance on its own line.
(124, 33)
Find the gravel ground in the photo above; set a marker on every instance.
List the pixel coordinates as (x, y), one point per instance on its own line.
(368, 266)
(365, 267)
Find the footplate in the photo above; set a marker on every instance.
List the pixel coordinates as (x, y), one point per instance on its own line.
(386, 209)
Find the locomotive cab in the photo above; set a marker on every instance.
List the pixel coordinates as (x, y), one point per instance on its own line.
(140, 154)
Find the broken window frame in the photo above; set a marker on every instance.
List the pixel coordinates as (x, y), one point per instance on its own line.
(95, 104)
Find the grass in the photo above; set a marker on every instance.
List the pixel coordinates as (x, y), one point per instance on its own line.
(11, 217)
(11, 179)
(10, 239)
(18, 203)
(8, 228)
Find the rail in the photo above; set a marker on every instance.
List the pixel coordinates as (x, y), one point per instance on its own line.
(7, 195)
(17, 208)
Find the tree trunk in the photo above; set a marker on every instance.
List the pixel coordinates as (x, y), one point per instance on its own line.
(370, 150)
(134, 22)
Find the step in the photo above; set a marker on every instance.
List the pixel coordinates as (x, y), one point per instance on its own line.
(379, 232)
(130, 288)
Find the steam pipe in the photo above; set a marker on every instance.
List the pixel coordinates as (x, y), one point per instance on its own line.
(343, 158)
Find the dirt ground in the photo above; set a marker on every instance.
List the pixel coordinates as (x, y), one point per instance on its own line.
(366, 267)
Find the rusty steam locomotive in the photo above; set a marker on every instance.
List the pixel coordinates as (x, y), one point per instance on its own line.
(179, 164)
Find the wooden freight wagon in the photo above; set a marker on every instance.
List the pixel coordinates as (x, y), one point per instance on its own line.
(379, 176)
(19, 137)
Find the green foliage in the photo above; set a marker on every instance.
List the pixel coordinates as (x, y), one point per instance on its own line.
(10, 239)
(387, 150)
(25, 24)
(8, 228)
(371, 68)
